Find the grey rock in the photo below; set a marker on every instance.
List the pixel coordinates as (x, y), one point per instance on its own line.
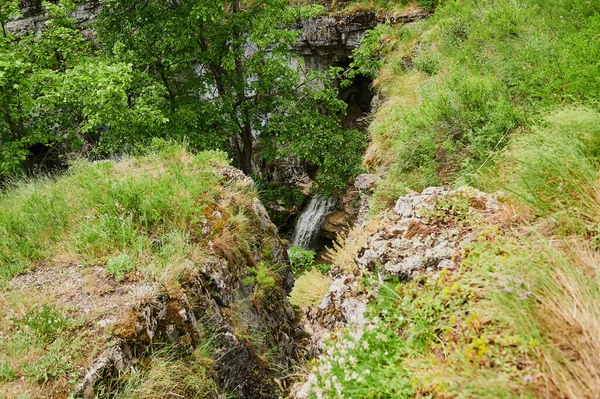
(364, 183)
(404, 207)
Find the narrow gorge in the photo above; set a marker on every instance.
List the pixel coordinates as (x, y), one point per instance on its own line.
(304, 200)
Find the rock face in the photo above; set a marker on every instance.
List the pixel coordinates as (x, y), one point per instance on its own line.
(424, 233)
(328, 40)
(34, 18)
(364, 185)
(215, 296)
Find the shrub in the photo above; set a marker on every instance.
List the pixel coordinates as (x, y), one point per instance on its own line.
(310, 289)
(301, 259)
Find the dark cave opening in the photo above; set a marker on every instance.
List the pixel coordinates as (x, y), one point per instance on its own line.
(359, 96)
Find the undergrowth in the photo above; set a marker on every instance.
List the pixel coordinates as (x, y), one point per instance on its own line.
(501, 95)
(457, 86)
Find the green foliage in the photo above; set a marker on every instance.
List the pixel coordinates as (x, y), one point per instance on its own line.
(366, 59)
(221, 88)
(301, 259)
(450, 207)
(7, 373)
(555, 167)
(55, 94)
(490, 67)
(262, 276)
(430, 337)
(290, 198)
(45, 321)
(119, 266)
(428, 62)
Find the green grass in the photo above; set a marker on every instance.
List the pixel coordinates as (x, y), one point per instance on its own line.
(460, 84)
(168, 374)
(108, 212)
(147, 220)
(555, 167)
(499, 94)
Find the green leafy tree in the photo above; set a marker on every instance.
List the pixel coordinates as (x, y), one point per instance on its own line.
(231, 79)
(56, 93)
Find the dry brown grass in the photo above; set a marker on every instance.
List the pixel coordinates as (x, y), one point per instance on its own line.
(345, 247)
(568, 317)
(310, 289)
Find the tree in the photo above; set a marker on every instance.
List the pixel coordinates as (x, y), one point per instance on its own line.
(229, 63)
(56, 94)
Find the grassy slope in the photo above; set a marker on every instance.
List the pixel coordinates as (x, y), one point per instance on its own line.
(504, 95)
(79, 253)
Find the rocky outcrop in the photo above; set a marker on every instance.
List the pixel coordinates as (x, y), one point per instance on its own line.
(330, 39)
(34, 18)
(424, 233)
(212, 296)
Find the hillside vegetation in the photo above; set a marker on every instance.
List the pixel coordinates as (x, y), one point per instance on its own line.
(121, 267)
(499, 95)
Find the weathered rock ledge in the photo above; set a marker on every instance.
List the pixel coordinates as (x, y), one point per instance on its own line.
(424, 233)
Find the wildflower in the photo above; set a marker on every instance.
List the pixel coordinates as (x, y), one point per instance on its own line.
(528, 378)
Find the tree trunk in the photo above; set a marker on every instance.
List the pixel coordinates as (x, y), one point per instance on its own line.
(246, 132)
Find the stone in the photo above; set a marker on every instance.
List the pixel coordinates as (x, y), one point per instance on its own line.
(404, 207)
(364, 183)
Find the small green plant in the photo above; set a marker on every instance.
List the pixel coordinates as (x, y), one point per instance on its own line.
(7, 373)
(322, 268)
(448, 208)
(262, 275)
(48, 367)
(427, 62)
(301, 259)
(45, 321)
(119, 266)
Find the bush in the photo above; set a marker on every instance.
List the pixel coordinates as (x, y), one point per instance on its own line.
(301, 259)
(310, 289)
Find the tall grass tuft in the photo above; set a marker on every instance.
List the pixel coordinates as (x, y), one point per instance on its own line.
(555, 167)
